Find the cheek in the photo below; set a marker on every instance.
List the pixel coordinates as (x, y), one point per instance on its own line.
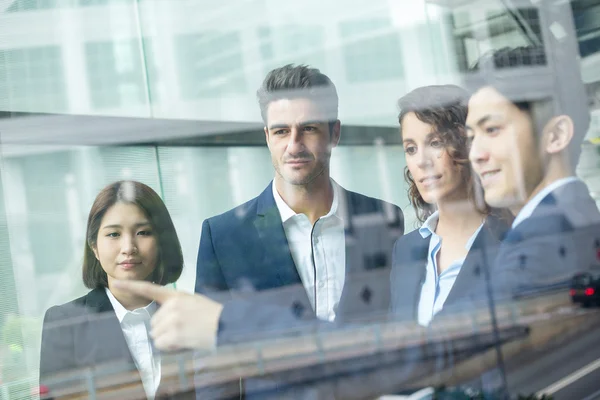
(278, 149)
(458, 176)
(150, 249)
(318, 144)
(513, 147)
(104, 248)
(503, 151)
(443, 161)
(411, 165)
(513, 159)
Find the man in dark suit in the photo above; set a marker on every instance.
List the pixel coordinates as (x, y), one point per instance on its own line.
(305, 255)
(525, 150)
(305, 247)
(527, 119)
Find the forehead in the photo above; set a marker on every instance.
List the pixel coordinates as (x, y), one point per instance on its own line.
(487, 100)
(122, 214)
(294, 111)
(413, 128)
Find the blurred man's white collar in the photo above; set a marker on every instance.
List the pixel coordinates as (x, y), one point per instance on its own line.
(537, 199)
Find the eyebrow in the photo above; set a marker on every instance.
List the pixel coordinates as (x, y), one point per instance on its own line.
(278, 126)
(312, 122)
(427, 137)
(303, 123)
(482, 120)
(113, 226)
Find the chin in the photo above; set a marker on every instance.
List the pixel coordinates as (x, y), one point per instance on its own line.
(500, 200)
(429, 199)
(493, 201)
(298, 179)
(133, 276)
(432, 197)
(295, 181)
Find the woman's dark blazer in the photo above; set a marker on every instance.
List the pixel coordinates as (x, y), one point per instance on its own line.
(80, 334)
(409, 262)
(86, 333)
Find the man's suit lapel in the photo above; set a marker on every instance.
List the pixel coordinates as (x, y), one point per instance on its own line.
(346, 211)
(548, 217)
(276, 255)
(538, 250)
(357, 287)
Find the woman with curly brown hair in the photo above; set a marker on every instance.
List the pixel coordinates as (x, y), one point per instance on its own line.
(438, 266)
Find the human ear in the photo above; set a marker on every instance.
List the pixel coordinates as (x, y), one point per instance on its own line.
(266, 135)
(95, 250)
(336, 133)
(559, 132)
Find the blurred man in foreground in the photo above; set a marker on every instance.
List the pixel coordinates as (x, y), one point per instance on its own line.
(525, 150)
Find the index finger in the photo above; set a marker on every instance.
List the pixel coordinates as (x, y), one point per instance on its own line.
(150, 291)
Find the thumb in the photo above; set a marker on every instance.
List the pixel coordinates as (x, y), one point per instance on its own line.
(145, 289)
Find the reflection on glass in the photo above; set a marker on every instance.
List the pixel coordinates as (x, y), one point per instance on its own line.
(190, 70)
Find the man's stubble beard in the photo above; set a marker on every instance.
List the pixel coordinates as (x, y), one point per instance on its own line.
(320, 169)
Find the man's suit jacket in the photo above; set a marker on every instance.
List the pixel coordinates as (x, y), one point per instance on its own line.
(558, 240)
(409, 265)
(80, 334)
(244, 260)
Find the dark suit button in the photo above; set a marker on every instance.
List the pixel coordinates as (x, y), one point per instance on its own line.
(297, 309)
(562, 251)
(523, 261)
(597, 243)
(381, 260)
(366, 295)
(374, 261)
(477, 271)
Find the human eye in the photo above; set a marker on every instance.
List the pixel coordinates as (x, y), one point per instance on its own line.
(492, 129)
(280, 132)
(113, 234)
(146, 232)
(436, 143)
(410, 150)
(310, 128)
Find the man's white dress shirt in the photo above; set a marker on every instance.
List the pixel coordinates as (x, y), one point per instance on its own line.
(320, 248)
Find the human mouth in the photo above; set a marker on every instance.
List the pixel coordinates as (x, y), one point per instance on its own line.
(430, 180)
(129, 264)
(297, 162)
(487, 177)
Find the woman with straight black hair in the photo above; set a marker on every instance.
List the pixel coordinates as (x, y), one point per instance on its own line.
(130, 236)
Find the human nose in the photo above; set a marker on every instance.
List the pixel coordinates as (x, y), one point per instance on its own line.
(296, 141)
(128, 244)
(424, 158)
(478, 152)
